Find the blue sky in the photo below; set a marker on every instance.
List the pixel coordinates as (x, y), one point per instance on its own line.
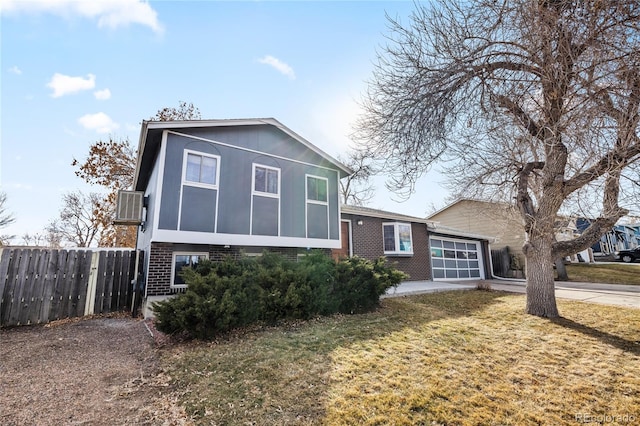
(74, 72)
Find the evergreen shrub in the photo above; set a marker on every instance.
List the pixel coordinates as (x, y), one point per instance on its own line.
(221, 296)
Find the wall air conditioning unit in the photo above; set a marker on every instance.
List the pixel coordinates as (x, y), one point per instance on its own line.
(129, 208)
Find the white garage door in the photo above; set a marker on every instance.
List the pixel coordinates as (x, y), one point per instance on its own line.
(456, 259)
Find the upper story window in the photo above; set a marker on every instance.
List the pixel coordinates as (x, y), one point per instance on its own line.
(266, 180)
(201, 169)
(317, 189)
(397, 238)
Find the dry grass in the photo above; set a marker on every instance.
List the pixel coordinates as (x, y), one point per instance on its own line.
(452, 358)
(604, 273)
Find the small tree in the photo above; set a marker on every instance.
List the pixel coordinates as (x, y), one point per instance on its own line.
(357, 189)
(6, 219)
(185, 111)
(80, 220)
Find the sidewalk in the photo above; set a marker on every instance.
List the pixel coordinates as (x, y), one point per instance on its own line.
(607, 294)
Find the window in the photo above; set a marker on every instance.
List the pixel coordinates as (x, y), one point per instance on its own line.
(317, 207)
(181, 261)
(201, 169)
(397, 238)
(266, 180)
(317, 189)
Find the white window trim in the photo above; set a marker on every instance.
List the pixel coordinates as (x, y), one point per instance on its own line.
(186, 182)
(306, 189)
(173, 265)
(253, 181)
(200, 184)
(263, 194)
(396, 234)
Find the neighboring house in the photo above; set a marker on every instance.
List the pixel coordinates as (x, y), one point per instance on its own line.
(620, 237)
(505, 223)
(500, 220)
(223, 187)
(417, 246)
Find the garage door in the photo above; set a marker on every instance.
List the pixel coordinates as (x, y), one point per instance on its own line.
(456, 259)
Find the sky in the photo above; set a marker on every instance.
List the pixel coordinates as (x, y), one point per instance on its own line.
(75, 72)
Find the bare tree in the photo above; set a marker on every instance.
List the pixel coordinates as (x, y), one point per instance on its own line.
(527, 101)
(80, 220)
(357, 189)
(185, 111)
(6, 219)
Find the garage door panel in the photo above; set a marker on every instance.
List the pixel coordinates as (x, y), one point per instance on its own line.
(455, 259)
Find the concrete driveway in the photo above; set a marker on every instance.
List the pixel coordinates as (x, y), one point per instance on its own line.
(607, 294)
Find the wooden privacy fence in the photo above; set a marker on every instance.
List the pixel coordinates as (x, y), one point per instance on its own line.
(42, 285)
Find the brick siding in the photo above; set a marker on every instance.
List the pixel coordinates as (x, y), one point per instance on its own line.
(158, 277)
(368, 243)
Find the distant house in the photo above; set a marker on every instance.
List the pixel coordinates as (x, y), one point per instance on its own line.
(620, 237)
(505, 223)
(219, 187)
(421, 248)
(500, 220)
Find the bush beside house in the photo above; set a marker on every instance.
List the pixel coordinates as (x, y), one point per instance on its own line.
(234, 293)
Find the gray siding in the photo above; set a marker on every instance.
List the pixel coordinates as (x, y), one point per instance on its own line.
(235, 186)
(317, 221)
(198, 209)
(265, 216)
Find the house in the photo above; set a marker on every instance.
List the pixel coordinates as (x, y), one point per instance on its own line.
(213, 188)
(221, 187)
(421, 248)
(505, 223)
(623, 236)
(500, 220)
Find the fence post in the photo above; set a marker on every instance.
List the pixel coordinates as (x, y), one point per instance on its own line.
(89, 306)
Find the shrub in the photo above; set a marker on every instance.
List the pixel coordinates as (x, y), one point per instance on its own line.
(234, 293)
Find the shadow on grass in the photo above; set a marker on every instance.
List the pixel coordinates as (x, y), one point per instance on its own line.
(604, 337)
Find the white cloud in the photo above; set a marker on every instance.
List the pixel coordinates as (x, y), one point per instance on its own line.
(280, 66)
(100, 122)
(102, 95)
(65, 85)
(15, 70)
(111, 14)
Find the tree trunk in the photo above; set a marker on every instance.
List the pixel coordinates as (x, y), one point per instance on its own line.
(541, 297)
(561, 269)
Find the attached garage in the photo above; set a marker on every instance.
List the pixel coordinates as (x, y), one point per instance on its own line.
(423, 249)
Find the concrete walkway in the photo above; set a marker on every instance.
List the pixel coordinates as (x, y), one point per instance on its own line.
(607, 294)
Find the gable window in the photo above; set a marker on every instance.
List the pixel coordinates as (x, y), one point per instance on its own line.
(317, 189)
(201, 169)
(397, 238)
(183, 260)
(266, 180)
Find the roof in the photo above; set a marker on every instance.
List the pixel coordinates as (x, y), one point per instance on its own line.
(366, 211)
(434, 227)
(151, 130)
(472, 200)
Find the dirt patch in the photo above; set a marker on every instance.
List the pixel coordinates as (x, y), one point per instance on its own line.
(101, 371)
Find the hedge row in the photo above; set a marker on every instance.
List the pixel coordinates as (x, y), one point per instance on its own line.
(233, 293)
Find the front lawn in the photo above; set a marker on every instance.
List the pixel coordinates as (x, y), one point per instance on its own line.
(455, 358)
(611, 273)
